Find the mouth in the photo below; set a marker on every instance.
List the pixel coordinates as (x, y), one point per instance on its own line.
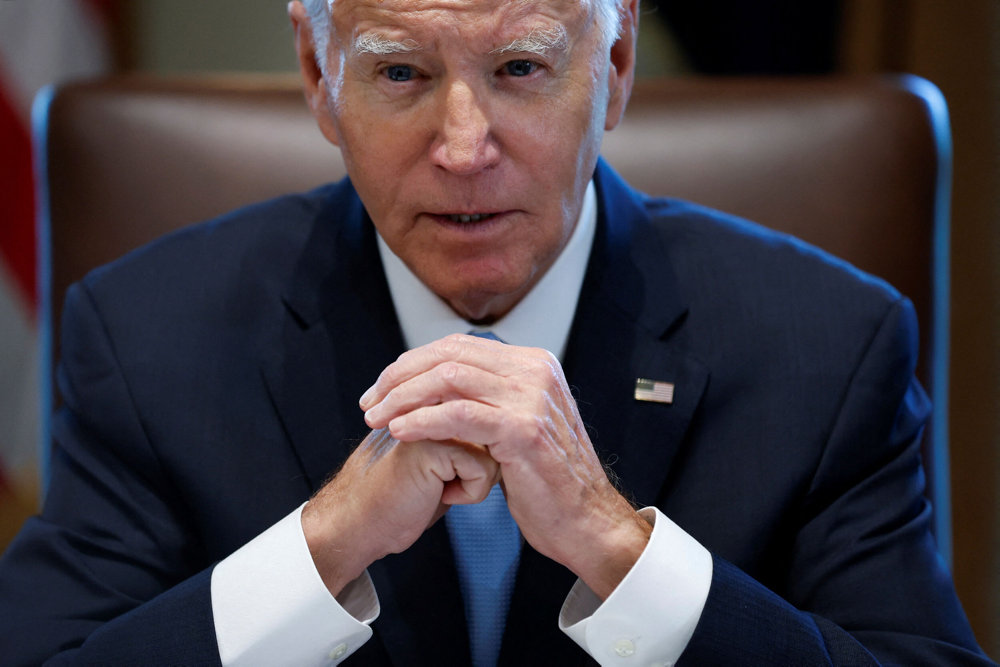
(469, 217)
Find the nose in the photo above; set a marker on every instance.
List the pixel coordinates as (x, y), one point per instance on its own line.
(465, 143)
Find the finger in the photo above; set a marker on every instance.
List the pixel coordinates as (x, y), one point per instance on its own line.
(444, 382)
(461, 419)
(467, 470)
(472, 350)
(464, 492)
(473, 482)
(509, 435)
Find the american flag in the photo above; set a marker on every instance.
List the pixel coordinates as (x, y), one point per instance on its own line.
(41, 42)
(655, 391)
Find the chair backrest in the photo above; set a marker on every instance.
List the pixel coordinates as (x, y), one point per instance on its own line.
(859, 167)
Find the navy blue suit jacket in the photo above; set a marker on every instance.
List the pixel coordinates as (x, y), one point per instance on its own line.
(211, 385)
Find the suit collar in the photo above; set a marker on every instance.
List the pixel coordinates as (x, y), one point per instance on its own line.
(341, 332)
(628, 266)
(341, 244)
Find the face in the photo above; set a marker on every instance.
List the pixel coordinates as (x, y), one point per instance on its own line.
(470, 129)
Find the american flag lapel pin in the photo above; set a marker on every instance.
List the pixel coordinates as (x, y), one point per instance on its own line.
(654, 391)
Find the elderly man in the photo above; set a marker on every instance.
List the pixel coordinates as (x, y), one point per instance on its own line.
(751, 395)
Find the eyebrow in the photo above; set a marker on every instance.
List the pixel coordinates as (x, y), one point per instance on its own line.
(539, 41)
(376, 44)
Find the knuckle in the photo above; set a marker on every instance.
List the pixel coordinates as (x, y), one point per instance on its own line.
(450, 346)
(385, 377)
(545, 368)
(528, 426)
(391, 395)
(420, 418)
(547, 357)
(392, 376)
(462, 411)
(451, 373)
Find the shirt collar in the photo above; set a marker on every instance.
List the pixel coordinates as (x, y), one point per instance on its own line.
(541, 319)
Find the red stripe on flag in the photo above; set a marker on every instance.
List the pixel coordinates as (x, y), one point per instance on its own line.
(17, 201)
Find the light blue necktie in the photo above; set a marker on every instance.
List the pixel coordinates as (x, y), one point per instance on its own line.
(487, 546)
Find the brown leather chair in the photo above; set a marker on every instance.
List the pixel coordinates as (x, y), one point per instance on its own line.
(858, 167)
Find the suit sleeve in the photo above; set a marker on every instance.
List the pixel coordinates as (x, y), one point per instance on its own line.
(865, 584)
(111, 571)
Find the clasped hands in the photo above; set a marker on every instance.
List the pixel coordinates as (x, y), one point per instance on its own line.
(451, 419)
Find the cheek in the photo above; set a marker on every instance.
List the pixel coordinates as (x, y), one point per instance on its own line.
(371, 157)
(380, 149)
(570, 130)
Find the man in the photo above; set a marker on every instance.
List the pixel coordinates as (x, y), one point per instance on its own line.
(212, 385)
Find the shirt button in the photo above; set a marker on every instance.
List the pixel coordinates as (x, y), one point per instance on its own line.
(624, 648)
(338, 652)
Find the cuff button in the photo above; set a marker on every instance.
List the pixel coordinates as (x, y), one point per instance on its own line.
(338, 652)
(624, 648)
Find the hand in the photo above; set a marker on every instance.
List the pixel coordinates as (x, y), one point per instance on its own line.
(515, 401)
(385, 496)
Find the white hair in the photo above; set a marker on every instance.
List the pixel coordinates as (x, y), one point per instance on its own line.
(379, 45)
(537, 41)
(609, 20)
(319, 20)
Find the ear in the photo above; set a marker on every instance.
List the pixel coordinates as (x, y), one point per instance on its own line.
(314, 84)
(621, 73)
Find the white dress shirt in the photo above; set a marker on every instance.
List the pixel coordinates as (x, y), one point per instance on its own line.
(271, 606)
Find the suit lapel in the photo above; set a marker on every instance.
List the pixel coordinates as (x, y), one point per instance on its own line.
(339, 333)
(627, 310)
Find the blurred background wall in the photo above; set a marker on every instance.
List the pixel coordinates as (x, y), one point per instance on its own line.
(954, 44)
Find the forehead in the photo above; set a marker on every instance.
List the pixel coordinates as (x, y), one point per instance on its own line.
(493, 19)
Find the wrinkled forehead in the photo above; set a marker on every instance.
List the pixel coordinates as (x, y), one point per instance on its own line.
(502, 19)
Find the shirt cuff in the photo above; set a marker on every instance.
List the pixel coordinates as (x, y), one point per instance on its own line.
(271, 606)
(650, 617)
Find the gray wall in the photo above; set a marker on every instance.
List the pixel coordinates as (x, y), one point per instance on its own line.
(183, 36)
(172, 36)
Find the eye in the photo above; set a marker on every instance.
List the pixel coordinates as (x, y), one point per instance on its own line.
(399, 72)
(520, 67)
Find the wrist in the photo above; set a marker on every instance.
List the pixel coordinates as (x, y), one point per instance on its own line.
(615, 550)
(337, 554)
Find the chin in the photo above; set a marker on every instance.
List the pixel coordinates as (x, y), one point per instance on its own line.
(486, 305)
